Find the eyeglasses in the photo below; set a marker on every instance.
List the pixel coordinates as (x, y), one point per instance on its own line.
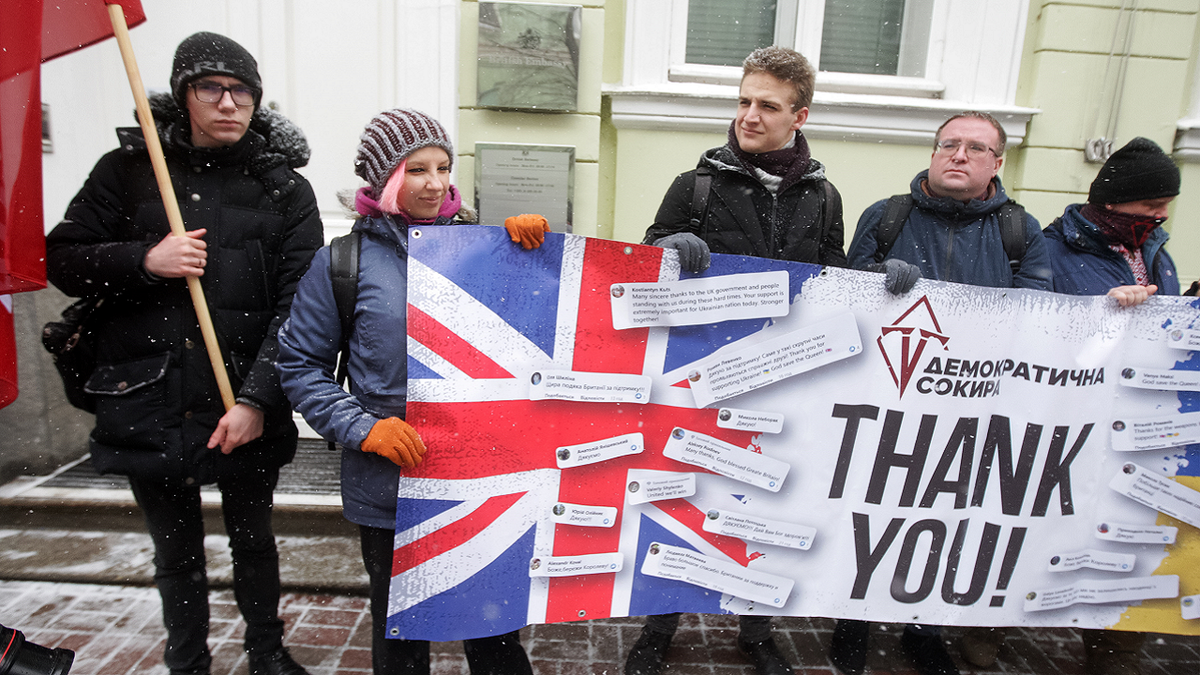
(949, 148)
(211, 92)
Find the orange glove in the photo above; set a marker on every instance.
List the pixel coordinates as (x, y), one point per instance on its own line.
(395, 440)
(528, 229)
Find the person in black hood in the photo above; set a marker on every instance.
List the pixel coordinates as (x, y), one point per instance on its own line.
(1113, 243)
(253, 227)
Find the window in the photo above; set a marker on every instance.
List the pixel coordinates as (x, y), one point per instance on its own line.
(887, 69)
(862, 37)
(856, 36)
(722, 32)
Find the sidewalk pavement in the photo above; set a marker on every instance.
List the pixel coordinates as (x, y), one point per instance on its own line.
(117, 630)
(75, 572)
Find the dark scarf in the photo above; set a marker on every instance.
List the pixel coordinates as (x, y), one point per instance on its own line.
(790, 163)
(1126, 229)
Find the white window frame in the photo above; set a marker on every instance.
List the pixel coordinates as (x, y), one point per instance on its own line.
(972, 61)
(1187, 131)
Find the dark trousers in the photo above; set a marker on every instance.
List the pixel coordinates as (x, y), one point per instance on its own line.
(497, 655)
(173, 516)
(751, 628)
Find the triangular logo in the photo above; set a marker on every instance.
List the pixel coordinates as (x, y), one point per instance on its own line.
(903, 342)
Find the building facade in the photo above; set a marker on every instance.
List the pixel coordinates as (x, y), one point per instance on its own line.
(654, 83)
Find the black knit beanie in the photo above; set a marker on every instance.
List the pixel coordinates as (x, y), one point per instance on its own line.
(390, 137)
(212, 54)
(1140, 170)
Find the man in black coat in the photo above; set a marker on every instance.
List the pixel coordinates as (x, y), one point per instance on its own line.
(767, 196)
(761, 194)
(253, 228)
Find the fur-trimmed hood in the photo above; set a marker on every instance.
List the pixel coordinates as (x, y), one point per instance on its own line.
(284, 143)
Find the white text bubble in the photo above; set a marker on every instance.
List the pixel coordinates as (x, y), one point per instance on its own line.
(1092, 559)
(583, 515)
(760, 530)
(1099, 592)
(569, 385)
(1189, 607)
(575, 565)
(1159, 378)
(750, 420)
(1183, 338)
(728, 374)
(664, 486)
(1136, 534)
(695, 302)
(681, 564)
(1158, 492)
(1155, 433)
(598, 451)
(726, 459)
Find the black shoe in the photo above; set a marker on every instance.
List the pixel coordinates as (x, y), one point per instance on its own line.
(766, 657)
(278, 662)
(928, 654)
(848, 648)
(648, 653)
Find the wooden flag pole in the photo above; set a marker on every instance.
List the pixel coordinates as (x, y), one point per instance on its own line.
(174, 217)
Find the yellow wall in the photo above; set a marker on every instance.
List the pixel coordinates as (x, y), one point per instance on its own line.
(1063, 74)
(621, 174)
(580, 129)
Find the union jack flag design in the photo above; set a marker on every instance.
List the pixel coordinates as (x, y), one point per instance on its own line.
(482, 315)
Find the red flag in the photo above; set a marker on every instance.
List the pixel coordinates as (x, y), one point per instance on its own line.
(32, 32)
(68, 25)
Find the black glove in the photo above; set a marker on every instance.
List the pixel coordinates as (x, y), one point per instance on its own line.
(899, 276)
(1194, 290)
(693, 252)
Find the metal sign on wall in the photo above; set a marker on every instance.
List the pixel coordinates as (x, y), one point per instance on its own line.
(529, 56)
(511, 179)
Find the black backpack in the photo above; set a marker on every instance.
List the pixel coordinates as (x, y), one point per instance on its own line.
(895, 214)
(343, 275)
(70, 342)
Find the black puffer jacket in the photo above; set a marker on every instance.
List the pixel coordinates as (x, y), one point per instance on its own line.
(745, 218)
(156, 397)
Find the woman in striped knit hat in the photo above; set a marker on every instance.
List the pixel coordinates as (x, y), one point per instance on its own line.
(405, 157)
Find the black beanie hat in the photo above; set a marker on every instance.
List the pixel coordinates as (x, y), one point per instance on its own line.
(1140, 170)
(212, 54)
(390, 137)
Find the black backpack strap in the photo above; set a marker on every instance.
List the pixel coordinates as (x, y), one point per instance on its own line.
(1012, 233)
(895, 213)
(827, 210)
(700, 194)
(343, 275)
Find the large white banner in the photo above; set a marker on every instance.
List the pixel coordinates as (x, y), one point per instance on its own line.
(601, 444)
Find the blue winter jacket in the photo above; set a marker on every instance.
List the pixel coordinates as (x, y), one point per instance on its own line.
(378, 367)
(1085, 265)
(953, 241)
